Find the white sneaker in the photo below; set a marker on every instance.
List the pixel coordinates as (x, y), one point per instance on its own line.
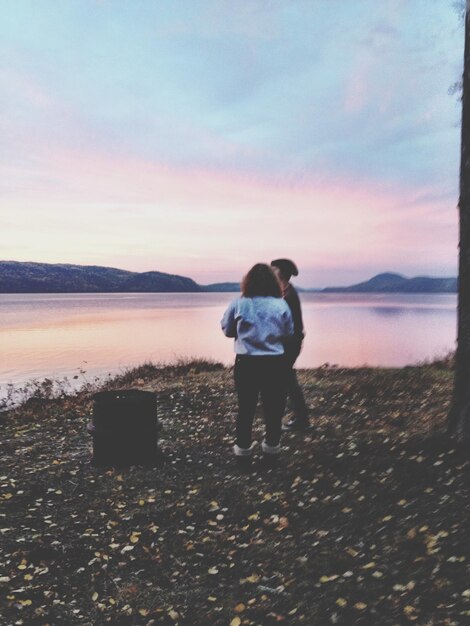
(270, 449)
(242, 451)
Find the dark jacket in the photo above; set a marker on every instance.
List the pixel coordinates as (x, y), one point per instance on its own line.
(294, 345)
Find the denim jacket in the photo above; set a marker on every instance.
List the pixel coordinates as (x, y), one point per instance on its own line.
(259, 325)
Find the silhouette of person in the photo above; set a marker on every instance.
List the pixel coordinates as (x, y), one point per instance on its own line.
(285, 269)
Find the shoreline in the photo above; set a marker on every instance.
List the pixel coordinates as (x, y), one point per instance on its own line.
(362, 519)
(43, 341)
(55, 387)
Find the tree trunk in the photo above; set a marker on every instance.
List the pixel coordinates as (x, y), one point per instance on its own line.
(459, 416)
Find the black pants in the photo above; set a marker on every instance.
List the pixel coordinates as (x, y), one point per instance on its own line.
(294, 391)
(265, 376)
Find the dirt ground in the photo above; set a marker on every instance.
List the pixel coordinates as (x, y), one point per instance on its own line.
(363, 521)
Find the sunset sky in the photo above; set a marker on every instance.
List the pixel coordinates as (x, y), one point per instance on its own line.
(198, 137)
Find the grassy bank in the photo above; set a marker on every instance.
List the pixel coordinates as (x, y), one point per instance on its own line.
(362, 522)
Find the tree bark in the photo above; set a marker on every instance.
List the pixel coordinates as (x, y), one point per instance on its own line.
(459, 416)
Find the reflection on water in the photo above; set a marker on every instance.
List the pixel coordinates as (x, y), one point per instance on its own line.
(392, 311)
(56, 335)
(388, 311)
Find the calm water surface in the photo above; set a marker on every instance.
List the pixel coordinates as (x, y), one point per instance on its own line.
(59, 335)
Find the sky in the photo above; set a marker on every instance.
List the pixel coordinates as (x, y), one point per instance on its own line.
(198, 137)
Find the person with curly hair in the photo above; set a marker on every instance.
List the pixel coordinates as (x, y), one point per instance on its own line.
(260, 321)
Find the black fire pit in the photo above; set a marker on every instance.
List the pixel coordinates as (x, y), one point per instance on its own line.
(124, 428)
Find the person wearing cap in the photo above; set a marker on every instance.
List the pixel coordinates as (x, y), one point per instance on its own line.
(260, 321)
(285, 269)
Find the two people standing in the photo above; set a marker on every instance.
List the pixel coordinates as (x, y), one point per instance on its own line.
(268, 337)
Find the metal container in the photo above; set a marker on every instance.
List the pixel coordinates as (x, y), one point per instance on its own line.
(124, 428)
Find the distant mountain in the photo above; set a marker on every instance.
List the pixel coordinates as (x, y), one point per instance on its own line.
(158, 281)
(17, 277)
(235, 287)
(396, 283)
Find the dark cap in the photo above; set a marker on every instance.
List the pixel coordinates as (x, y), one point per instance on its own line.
(286, 266)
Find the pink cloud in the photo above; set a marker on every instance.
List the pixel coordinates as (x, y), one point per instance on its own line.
(86, 207)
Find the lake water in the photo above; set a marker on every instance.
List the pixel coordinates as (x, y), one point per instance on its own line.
(60, 334)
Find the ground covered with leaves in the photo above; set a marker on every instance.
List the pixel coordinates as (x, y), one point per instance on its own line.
(364, 520)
